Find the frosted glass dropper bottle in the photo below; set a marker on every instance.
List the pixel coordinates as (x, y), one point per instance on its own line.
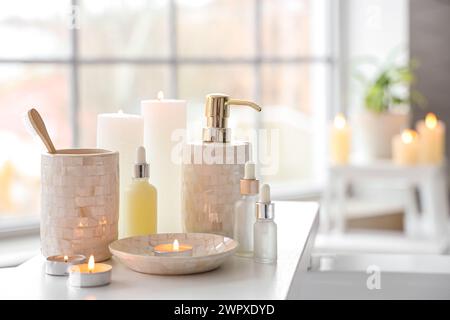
(140, 200)
(265, 229)
(244, 217)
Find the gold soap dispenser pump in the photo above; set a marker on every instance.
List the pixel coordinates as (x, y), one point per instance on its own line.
(217, 112)
(212, 170)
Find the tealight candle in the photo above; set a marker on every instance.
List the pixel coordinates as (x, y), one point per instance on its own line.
(90, 275)
(340, 141)
(59, 265)
(173, 249)
(405, 148)
(431, 140)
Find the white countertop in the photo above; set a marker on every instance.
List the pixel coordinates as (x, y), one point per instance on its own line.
(345, 276)
(238, 278)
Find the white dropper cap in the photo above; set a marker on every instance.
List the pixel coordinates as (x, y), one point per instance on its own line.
(141, 167)
(140, 153)
(265, 194)
(249, 173)
(264, 208)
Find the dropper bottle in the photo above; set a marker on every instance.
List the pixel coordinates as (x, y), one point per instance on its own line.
(244, 217)
(265, 229)
(140, 200)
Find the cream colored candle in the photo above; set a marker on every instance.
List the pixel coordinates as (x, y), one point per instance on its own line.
(164, 127)
(123, 133)
(405, 148)
(340, 140)
(431, 140)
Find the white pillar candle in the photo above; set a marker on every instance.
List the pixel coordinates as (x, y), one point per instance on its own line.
(431, 140)
(163, 120)
(123, 133)
(405, 148)
(340, 136)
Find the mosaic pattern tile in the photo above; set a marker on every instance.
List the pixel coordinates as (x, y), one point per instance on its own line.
(210, 190)
(79, 202)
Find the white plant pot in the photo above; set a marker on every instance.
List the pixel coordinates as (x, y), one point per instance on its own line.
(373, 133)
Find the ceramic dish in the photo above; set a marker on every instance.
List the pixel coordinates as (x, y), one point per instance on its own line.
(209, 252)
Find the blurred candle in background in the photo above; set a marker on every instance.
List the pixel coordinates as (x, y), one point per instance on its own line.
(340, 140)
(405, 148)
(123, 133)
(432, 140)
(164, 128)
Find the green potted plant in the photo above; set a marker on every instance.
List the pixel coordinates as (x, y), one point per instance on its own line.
(387, 98)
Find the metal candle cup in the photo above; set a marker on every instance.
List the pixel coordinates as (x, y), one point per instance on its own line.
(59, 265)
(90, 274)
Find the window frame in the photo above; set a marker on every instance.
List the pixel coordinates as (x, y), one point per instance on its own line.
(173, 61)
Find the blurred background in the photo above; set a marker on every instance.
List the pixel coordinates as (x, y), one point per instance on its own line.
(75, 59)
(301, 60)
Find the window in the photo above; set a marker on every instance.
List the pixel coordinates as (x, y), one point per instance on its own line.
(74, 59)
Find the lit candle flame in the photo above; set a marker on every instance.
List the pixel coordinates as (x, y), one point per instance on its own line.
(160, 95)
(176, 245)
(431, 121)
(66, 258)
(339, 121)
(408, 136)
(91, 263)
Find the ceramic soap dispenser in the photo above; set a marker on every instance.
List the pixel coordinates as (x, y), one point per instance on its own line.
(212, 170)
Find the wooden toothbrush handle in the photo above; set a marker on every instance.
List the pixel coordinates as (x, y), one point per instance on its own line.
(39, 126)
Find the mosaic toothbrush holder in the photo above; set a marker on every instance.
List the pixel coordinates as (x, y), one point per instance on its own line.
(79, 202)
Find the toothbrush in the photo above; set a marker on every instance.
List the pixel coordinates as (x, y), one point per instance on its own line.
(34, 120)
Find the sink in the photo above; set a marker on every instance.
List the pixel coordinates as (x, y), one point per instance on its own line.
(351, 276)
